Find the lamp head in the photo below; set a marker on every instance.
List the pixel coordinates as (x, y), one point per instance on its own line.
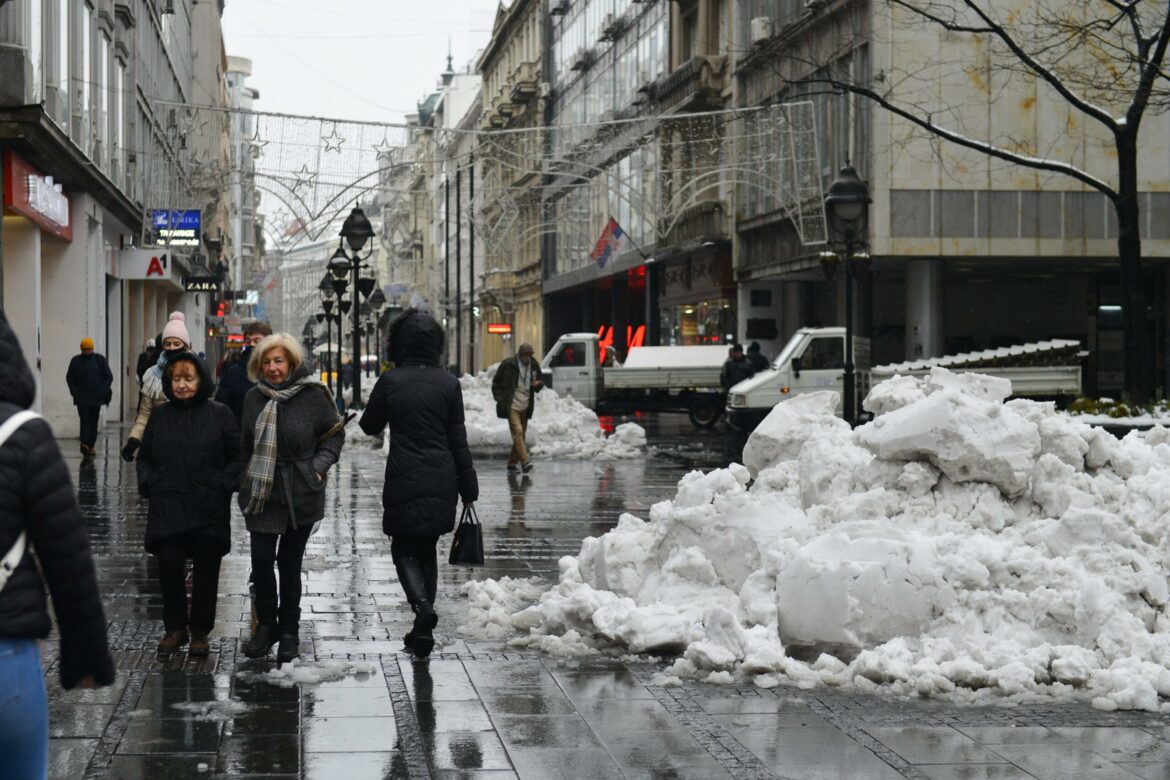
(325, 288)
(377, 299)
(847, 200)
(339, 264)
(356, 230)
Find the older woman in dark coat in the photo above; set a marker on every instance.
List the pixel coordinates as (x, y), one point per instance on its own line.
(188, 467)
(291, 435)
(429, 466)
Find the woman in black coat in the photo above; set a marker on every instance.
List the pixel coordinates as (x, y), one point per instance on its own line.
(37, 499)
(188, 468)
(429, 467)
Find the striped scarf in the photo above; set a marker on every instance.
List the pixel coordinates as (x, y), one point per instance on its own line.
(262, 467)
(152, 378)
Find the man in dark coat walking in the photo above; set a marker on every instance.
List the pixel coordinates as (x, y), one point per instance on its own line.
(736, 368)
(515, 385)
(758, 361)
(235, 384)
(91, 385)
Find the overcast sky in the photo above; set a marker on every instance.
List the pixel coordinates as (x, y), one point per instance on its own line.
(352, 59)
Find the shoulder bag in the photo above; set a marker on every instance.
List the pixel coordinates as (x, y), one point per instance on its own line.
(467, 545)
(15, 553)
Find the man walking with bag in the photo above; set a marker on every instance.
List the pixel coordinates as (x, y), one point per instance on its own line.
(514, 387)
(91, 385)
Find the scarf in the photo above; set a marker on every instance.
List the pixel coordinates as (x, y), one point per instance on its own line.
(262, 467)
(152, 379)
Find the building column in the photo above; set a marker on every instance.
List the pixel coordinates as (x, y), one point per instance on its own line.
(792, 310)
(22, 290)
(924, 321)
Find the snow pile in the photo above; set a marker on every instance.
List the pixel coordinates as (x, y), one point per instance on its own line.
(561, 427)
(309, 672)
(957, 545)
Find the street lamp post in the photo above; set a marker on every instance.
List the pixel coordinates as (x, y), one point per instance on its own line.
(377, 301)
(846, 205)
(327, 295)
(356, 231)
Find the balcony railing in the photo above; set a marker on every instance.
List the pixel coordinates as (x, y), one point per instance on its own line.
(695, 85)
(693, 225)
(525, 82)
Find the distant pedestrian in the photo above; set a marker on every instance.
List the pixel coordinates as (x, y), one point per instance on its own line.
(429, 467)
(43, 535)
(758, 361)
(188, 468)
(174, 338)
(514, 387)
(146, 358)
(289, 438)
(735, 369)
(235, 383)
(91, 385)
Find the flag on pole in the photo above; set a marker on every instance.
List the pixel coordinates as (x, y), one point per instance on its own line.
(609, 244)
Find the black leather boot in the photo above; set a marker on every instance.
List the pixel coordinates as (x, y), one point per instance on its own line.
(412, 575)
(425, 621)
(290, 643)
(262, 640)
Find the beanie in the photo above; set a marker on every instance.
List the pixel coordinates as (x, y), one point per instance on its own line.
(87, 343)
(176, 328)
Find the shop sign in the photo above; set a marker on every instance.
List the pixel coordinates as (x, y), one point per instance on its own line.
(145, 264)
(499, 328)
(201, 284)
(35, 196)
(176, 228)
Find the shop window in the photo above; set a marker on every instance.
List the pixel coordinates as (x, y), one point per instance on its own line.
(703, 322)
(824, 354)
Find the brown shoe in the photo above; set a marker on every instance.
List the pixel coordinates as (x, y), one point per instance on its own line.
(172, 641)
(199, 645)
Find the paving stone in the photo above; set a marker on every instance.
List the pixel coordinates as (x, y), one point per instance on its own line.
(934, 745)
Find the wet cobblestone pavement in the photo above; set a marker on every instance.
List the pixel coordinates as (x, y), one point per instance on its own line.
(482, 710)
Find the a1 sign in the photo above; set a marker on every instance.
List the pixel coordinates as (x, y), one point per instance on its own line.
(145, 264)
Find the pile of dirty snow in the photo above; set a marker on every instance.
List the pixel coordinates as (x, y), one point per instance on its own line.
(957, 545)
(298, 672)
(561, 427)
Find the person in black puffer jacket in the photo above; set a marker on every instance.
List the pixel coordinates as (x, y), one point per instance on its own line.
(188, 468)
(429, 466)
(36, 495)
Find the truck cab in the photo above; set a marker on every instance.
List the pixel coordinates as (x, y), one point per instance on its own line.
(573, 367)
(812, 360)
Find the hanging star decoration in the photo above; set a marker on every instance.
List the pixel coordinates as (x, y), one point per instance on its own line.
(384, 149)
(257, 144)
(333, 141)
(304, 178)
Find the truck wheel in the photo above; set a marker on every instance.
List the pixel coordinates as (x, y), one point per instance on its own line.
(703, 412)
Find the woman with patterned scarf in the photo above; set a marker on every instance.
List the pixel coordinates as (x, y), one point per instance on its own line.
(174, 339)
(290, 435)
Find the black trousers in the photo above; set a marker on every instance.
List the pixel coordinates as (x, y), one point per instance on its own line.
(89, 423)
(287, 551)
(416, 551)
(173, 555)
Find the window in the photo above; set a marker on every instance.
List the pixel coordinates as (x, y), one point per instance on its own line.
(824, 353)
(35, 39)
(571, 355)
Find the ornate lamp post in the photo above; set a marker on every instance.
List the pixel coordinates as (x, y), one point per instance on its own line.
(327, 294)
(846, 205)
(356, 231)
(377, 300)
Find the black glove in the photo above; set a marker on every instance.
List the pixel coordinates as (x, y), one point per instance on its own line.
(130, 448)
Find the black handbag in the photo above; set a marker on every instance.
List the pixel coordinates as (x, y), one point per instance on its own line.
(467, 545)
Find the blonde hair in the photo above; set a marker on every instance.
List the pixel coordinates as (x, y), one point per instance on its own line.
(284, 341)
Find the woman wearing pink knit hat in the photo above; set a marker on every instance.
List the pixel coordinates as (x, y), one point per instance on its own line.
(174, 339)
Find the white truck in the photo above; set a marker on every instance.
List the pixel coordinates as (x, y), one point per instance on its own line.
(814, 359)
(661, 379)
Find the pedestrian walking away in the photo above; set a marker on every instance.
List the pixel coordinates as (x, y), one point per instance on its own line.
(291, 435)
(91, 385)
(42, 543)
(174, 338)
(429, 467)
(188, 468)
(736, 368)
(514, 388)
(146, 358)
(235, 383)
(758, 361)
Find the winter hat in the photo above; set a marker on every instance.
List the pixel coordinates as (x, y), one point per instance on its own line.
(526, 348)
(176, 328)
(150, 343)
(87, 343)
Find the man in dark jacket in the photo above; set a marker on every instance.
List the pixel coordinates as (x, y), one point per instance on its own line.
(235, 383)
(429, 466)
(758, 361)
(91, 385)
(736, 368)
(146, 358)
(515, 385)
(37, 498)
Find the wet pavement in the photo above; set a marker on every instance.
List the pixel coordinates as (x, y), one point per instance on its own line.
(480, 709)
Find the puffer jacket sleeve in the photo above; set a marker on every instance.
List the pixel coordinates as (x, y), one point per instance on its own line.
(230, 434)
(374, 418)
(58, 538)
(457, 441)
(145, 467)
(146, 405)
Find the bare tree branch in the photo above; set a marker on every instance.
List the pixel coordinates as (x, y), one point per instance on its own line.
(1151, 68)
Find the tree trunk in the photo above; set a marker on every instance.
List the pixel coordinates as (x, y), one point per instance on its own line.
(1129, 249)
